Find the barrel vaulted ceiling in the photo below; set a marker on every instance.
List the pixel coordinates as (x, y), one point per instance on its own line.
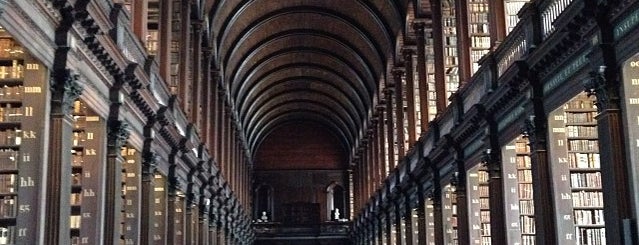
(319, 61)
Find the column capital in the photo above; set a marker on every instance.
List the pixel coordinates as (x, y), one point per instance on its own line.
(397, 72)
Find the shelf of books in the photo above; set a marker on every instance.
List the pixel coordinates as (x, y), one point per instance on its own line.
(518, 184)
(88, 145)
(479, 208)
(574, 150)
(451, 59)
(20, 142)
(179, 217)
(430, 77)
(430, 222)
(511, 8)
(159, 209)
(630, 108)
(478, 30)
(130, 196)
(449, 213)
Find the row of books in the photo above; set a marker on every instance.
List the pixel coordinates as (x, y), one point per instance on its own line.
(9, 159)
(583, 145)
(524, 175)
(525, 191)
(7, 235)
(484, 190)
(480, 42)
(583, 160)
(522, 147)
(527, 240)
(79, 137)
(76, 198)
(591, 236)
(581, 131)
(8, 207)
(526, 207)
(478, 28)
(584, 180)
(523, 162)
(483, 177)
(475, 17)
(477, 6)
(589, 217)
(75, 221)
(587, 199)
(8, 183)
(583, 103)
(11, 114)
(585, 117)
(527, 224)
(11, 92)
(484, 216)
(11, 137)
(10, 48)
(15, 71)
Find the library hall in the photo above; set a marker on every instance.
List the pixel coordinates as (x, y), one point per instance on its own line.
(319, 122)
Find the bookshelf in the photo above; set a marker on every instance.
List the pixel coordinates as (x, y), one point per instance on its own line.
(131, 182)
(176, 37)
(430, 222)
(159, 209)
(153, 25)
(511, 8)
(479, 206)
(576, 172)
(519, 192)
(87, 147)
(20, 143)
(478, 30)
(449, 212)
(430, 77)
(451, 59)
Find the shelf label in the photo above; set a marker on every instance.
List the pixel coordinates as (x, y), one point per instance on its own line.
(26, 157)
(559, 117)
(514, 225)
(28, 134)
(28, 111)
(24, 208)
(22, 232)
(512, 176)
(90, 152)
(32, 66)
(569, 236)
(566, 196)
(514, 207)
(89, 193)
(633, 101)
(28, 182)
(558, 130)
(32, 90)
(86, 215)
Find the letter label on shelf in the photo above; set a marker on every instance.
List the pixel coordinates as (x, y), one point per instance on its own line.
(22, 232)
(24, 208)
(26, 182)
(28, 111)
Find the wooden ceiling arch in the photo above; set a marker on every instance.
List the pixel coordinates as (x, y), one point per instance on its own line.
(304, 60)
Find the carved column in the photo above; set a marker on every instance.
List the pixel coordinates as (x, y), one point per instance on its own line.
(196, 76)
(492, 159)
(463, 42)
(398, 223)
(185, 82)
(462, 201)
(418, 27)
(410, 95)
(408, 219)
(389, 227)
(139, 17)
(421, 212)
(65, 90)
(436, 196)
(381, 149)
(117, 136)
(165, 28)
(175, 212)
(390, 125)
(149, 166)
(535, 129)
(203, 219)
(615, 178)
(399, 112)
(438, 49)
